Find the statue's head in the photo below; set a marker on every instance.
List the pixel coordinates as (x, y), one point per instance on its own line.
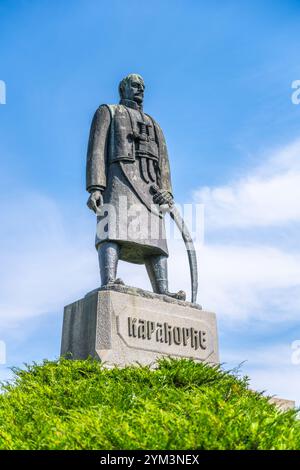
(132, 88)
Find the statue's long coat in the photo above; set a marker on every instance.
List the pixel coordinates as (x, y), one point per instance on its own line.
(114, 166)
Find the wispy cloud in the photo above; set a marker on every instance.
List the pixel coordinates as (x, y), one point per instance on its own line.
(248, 282)
(267, 196)
(45, 260)
(269, 368)
(245, 274)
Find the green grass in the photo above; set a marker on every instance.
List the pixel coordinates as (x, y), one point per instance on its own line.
(180, 405)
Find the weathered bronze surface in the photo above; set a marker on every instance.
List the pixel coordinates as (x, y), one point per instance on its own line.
(127, 157)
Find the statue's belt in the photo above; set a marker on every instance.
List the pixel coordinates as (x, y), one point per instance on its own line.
(132, 159)
(149, 155)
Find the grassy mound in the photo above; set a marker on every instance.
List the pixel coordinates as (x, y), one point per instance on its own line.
(180, 405)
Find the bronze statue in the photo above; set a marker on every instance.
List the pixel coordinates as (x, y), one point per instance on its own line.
(128, 173)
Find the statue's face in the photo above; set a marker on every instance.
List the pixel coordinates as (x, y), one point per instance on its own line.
(134, 90)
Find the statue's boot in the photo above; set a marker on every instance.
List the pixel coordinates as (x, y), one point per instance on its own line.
(108, 253)
(119, 282)
(157, 268)
(180, 295)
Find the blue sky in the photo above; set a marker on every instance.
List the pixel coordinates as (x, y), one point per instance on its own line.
(218, 79)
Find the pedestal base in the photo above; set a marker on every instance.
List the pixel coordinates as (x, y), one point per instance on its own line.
(121, 325)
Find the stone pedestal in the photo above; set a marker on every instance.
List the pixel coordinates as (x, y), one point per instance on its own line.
(121, 325)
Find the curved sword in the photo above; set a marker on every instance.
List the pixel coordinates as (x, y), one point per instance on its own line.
(189, 244)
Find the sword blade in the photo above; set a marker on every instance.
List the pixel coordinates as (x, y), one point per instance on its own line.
(190, 247)
(189, 244)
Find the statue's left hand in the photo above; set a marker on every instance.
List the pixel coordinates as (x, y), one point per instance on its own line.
(162, 197)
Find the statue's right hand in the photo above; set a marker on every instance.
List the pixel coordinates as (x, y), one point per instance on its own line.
(95, 201)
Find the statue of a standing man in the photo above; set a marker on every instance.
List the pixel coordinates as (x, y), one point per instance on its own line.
(127, 157)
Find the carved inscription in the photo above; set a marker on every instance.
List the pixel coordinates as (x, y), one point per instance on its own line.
(166, 333)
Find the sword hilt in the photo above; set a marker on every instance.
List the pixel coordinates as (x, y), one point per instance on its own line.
(154, 189)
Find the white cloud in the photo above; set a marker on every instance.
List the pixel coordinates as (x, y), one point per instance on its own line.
(250, 282)
(269, 368)
(45, 259)
(5, 373)
(267, 196)
(272, 356)
(282, 382)
(246, 273)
